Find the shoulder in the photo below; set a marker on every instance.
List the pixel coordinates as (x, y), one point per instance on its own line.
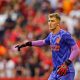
(65, 33)
(49, 34)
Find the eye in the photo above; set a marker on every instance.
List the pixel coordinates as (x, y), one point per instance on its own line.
(52, 20)
(48, 20)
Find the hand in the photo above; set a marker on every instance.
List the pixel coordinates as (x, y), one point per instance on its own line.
(18, 47)
(62, 70)
(23, 45)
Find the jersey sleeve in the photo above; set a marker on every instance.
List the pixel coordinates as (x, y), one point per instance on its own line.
(47, 40)
(69, 39)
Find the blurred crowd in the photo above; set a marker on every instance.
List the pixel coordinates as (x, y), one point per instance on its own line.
(26, 20)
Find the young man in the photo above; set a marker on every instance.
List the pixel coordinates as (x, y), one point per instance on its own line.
(64, 49)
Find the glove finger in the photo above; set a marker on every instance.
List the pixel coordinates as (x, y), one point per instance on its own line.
(18, 49)
(59, 72)
(64, 72)
(17, 46)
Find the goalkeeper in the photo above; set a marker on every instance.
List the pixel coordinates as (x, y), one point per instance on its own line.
(63, 46)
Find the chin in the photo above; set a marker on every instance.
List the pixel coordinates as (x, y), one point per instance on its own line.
(51, 29)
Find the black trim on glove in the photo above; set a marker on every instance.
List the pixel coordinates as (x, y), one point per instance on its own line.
(29, 44)
(68, 62)
(26, 44)
(23, 45)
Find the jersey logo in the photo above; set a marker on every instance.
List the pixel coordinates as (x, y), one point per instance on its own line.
(56, 46)
(58, 40)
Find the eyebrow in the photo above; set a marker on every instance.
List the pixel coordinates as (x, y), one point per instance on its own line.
(51, 20)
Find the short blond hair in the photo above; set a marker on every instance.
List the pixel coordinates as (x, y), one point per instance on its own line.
(56, 15)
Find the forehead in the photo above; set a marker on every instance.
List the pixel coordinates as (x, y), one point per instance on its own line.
(52, 18)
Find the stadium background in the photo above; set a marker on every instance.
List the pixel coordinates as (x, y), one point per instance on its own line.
(26, 20)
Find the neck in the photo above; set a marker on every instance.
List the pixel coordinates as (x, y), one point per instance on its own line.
(56, 30)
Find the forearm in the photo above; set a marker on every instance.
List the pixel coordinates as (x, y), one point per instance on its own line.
(62, 70)
(31, 43)
(74, 53)
(38, 43)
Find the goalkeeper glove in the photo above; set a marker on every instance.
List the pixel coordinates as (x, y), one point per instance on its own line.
(23, 45)
(62, 69)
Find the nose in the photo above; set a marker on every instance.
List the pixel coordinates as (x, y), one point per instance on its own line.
(49, 22)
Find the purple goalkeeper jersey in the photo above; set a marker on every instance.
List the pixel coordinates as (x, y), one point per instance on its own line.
(61, 44)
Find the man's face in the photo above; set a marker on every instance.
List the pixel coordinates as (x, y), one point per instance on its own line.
(53, 23)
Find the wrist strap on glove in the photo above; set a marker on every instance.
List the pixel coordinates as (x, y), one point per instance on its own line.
(26, 44)
(68, 62)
